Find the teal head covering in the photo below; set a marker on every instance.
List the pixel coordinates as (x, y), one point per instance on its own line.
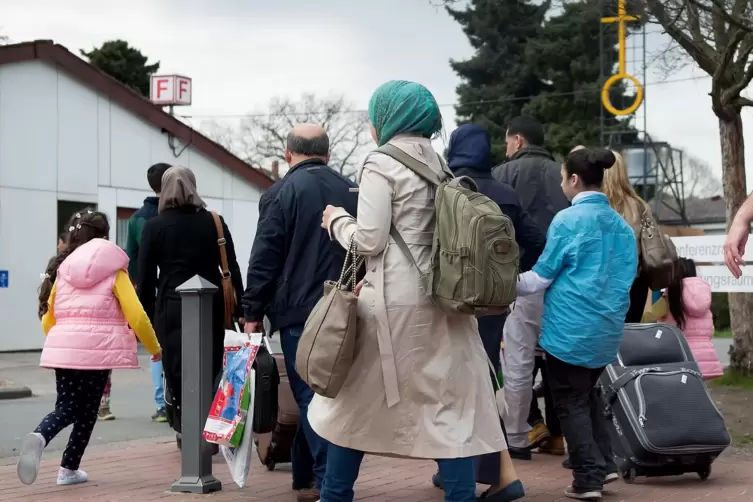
(400, 107)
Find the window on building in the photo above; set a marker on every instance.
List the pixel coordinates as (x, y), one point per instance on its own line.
(121, 229)
(67, 208)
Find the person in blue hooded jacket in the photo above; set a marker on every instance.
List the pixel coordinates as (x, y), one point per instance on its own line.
(470, 155)
(587, 269)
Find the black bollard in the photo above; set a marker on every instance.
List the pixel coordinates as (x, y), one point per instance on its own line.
(198, 387)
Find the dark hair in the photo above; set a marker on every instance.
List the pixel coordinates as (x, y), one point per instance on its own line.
(529, 128)
(154, 175)
(685, 268)
(318, 146)
(83, 226)
(589, 164)
(62, 236)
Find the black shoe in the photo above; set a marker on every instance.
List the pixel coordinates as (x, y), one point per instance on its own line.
(566, 464)
(179, 439)
(520, 453)
(513, 491)
(436, 480)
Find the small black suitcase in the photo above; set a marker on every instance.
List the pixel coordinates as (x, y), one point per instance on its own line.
(664, 422)
(266, 394)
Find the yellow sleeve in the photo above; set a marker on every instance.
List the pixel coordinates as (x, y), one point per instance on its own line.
(48, 319)
(134, 312)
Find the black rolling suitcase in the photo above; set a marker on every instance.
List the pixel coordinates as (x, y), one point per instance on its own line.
(663, 420)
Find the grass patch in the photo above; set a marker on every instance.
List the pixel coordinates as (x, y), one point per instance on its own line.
(722, 334)
(745, 440)
(733, 379)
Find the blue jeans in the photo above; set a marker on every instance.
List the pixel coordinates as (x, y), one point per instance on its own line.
(317, 447)
(343, 465)
(159, 391)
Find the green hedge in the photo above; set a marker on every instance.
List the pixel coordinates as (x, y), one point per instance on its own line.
(720, 310)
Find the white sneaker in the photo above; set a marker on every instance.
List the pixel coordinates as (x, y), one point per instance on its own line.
(611, 478)
(69, 477)
(31, 456)
(570, 492)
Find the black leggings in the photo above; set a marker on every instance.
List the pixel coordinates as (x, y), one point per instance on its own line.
(79, 393)
(638, 297)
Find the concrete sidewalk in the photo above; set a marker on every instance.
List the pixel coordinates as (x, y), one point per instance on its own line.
(144, 470)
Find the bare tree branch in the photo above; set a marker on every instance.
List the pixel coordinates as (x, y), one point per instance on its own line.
(260, 138)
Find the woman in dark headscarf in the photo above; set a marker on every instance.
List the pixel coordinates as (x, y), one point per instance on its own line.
(182, 242)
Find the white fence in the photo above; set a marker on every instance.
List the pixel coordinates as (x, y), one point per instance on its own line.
(708, 253)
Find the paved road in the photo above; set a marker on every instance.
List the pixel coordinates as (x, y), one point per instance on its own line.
(132, 403)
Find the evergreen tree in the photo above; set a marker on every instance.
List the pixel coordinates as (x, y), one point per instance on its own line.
(549, 69)
(567, 53)
(124, 63)
(498, 80)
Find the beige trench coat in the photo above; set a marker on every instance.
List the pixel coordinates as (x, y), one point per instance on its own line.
(420, 384)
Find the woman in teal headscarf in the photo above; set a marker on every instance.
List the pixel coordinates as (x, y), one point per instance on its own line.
(402, 107)
(419, 385)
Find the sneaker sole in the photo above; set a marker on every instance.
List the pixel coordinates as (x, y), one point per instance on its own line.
(31, 457)
(72, 481)
(160, 420)
(106, 418)
(583, 496)
(611, 478)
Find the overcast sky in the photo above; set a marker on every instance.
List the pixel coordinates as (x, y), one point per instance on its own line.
(242, 53)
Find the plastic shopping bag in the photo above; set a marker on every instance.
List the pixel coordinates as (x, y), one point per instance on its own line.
(239, 459)
(229, 411)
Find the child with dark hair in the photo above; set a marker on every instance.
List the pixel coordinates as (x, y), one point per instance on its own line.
(587, 268)
(86, 303)
(689, 302)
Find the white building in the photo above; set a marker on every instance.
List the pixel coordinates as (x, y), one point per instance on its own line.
(70, 137)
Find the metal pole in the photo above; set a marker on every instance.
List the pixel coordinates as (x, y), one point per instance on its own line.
(198, 385)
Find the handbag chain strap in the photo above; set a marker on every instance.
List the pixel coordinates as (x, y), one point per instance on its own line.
(350, 267)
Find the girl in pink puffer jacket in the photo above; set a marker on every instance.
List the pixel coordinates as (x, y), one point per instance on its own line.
(689, 300)
(92, 317)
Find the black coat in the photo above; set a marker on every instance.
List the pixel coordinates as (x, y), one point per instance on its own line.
(536, 178)
(292, 255)
(182, 243)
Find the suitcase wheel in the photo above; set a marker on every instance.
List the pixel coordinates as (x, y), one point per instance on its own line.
(705, 473)
(629, 475)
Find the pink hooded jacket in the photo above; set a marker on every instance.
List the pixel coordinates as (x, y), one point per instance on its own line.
(699, 325)
(90, 331)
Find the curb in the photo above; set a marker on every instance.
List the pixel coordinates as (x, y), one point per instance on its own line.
(14, 392)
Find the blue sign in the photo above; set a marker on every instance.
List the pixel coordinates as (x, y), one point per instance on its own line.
(3, 278)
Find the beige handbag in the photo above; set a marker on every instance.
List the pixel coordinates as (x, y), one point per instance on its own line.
(658, 256)
(327, 346)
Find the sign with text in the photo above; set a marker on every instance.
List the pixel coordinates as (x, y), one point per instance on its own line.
(708, 253)
(707, 248)
(722, 281)
(170, 90)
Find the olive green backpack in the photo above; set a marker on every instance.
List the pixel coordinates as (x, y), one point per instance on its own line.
(474, 265)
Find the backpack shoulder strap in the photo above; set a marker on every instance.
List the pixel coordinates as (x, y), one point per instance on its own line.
(411, 163)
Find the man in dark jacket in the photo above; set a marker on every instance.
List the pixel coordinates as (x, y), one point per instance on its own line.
(135, 226)
(535, 176)
(290, 260)
(470, 155)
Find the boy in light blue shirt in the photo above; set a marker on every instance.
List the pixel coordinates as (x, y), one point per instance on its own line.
(587, 269)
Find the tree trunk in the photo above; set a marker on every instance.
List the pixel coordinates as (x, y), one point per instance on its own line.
(735, 193)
